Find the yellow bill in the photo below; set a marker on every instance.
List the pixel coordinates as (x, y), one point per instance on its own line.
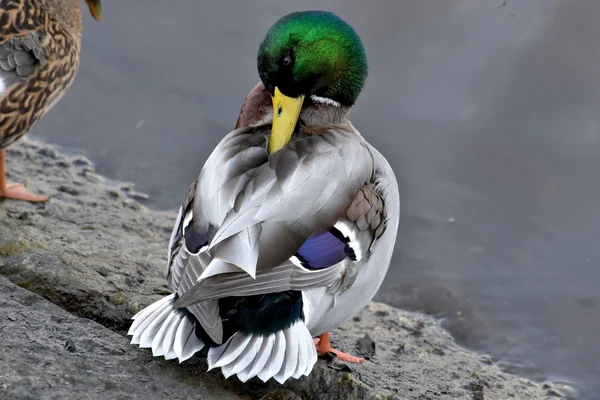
(95, 9)
(286, 111)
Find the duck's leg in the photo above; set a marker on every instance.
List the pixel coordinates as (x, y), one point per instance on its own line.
(323, 347)
(16, 191)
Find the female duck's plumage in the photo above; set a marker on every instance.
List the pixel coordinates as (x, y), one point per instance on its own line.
(268, 250)
(40, 42)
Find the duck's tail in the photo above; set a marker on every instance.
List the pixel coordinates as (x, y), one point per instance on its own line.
(287, 353)
(168, 331)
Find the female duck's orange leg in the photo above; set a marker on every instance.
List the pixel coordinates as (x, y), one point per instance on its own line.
(323, 347)
(15, 191)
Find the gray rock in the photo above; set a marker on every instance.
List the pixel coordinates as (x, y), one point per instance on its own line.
(101, 256)
(282, 394)
(365, 347)
(47, 353)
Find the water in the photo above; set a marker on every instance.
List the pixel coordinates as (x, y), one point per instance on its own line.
(490, 116)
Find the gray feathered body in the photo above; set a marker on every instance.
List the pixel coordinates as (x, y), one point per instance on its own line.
(269, 251)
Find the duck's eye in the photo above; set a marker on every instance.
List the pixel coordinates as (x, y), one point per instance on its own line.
(287, 60)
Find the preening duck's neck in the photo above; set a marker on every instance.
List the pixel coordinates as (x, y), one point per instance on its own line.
(258, 109)
(323, 111)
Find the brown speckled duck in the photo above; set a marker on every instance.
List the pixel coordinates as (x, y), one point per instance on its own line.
(40, 42)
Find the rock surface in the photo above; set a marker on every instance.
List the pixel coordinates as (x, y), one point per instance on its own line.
(50, 353)
(99, 256)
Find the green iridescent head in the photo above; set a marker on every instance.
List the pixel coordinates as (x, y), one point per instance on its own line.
(313, 53)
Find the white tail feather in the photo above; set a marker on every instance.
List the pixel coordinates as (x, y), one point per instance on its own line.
(142, 317)
(166, 331)
(302, 355)
(246, 358)
(288, 367)
(261, 358)
(276, 358)
(169, 339)
(157, 343)
(289, 353)
(233, 348)
(153, 327)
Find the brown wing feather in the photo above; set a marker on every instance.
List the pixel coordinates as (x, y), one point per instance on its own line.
(39, 56)
(368, 211)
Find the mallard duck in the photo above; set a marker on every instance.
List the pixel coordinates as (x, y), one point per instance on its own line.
(290, 227)
(40, 42)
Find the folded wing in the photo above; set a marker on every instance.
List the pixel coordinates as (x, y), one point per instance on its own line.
(300, 218)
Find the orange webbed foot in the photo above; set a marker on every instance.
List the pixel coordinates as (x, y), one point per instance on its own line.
(323, 347)
(17, 191)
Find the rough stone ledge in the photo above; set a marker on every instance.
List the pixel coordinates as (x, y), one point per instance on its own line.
(99, 256)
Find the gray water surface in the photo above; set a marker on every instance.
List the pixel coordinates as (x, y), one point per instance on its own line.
(489, 115)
